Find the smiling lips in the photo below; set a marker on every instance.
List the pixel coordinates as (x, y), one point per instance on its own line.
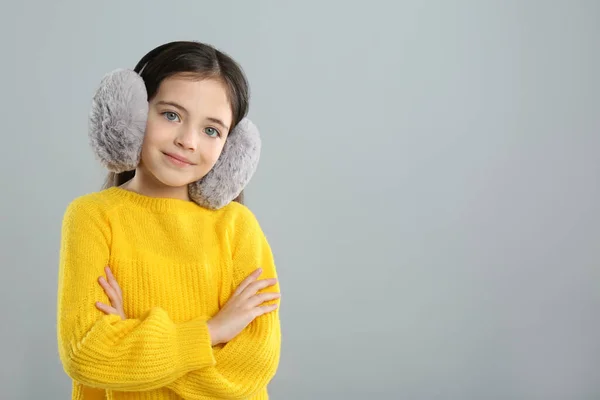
(178, 160)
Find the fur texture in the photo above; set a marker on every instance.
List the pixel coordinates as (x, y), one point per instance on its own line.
(232, 171)
(118, 120)
(116, 131)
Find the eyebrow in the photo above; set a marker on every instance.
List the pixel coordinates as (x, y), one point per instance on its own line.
(172, 103)
(219, 122)
(182, 108)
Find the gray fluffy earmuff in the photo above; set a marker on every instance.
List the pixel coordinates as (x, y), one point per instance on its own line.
(117, 125)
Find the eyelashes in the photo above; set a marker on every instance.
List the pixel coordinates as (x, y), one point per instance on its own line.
(168, 114)
(174, 117)
(215, 133)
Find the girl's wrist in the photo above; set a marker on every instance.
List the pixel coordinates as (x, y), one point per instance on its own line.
(212, 332)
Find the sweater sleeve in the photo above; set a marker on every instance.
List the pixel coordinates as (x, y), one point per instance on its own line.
(103, 351)
(245, 365)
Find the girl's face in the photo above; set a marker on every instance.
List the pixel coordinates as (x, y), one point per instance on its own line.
(188, 123)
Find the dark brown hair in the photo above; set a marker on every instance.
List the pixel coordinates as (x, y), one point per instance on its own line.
(197, 60)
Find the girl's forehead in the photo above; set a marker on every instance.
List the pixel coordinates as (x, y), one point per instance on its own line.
(192, 85)
(194, 96)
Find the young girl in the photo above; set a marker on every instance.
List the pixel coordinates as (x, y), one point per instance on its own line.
(167, 284)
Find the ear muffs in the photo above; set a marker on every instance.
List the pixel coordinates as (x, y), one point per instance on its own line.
(117, 125)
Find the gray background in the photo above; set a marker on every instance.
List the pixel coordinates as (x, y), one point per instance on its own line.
(429, 184)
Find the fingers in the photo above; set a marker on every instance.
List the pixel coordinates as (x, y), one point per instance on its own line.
(113, 291)
(254, 287)
(106, 309)
(252, 277)
(258, 311)
(112, 281)
(262, 298)
(110, 291)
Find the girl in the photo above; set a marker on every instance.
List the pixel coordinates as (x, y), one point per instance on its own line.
(189, 305)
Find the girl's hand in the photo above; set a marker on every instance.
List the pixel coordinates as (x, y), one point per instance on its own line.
(242, 308)
(113, 291)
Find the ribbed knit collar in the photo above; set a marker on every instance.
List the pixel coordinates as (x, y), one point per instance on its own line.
(157, 204)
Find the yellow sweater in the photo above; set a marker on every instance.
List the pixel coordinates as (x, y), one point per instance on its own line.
(177, 264)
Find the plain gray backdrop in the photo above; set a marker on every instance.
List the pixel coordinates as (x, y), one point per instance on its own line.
(429, 184)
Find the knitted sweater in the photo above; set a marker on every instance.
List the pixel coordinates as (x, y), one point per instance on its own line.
(177, 264)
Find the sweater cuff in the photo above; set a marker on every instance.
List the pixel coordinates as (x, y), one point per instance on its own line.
(195, 346)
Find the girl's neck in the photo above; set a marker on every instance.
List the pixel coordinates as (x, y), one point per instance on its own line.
(145, 184)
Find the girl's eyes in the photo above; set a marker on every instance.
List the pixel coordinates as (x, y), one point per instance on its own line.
(173, 117)
(212, 132)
